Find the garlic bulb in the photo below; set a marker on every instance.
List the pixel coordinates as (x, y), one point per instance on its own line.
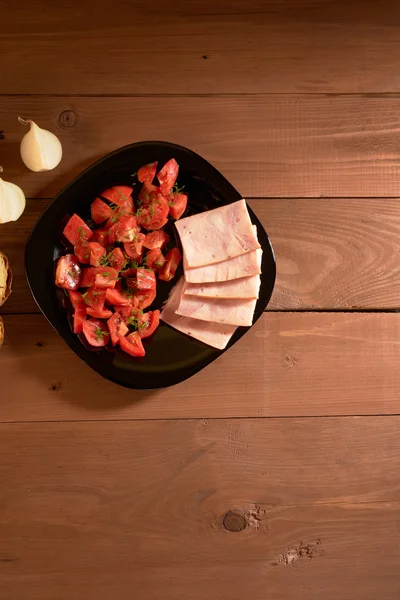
(40, 149)
(12, 201)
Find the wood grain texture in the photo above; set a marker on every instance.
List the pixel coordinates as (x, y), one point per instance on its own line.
(330, 253)
(267, 146)
(199, 47)
(143, 512)
(289, 364)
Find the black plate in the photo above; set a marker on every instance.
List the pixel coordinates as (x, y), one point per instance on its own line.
(171, 356)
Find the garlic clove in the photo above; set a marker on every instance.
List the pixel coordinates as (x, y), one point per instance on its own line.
(40, 149)
(12, 201)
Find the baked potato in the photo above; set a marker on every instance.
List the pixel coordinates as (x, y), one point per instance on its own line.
(5, 279)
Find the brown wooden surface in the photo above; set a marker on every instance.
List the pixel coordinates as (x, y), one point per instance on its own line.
(331, 253)
(192, 492)
(160, 47)
(267, 145)
(288, 364)
(100, 510)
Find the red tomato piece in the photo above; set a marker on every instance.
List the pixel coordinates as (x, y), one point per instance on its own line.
(99, 314)
(68, 272)
(132, 344)
(154, 259)
(124, 311)
(117, 298)
(147, 193)
(96, 332)
(147, 173)
(172, 260)
(97, 251)
(100, 211)
(177, 205)
(76, 231)
(148, 323)
(145, 298)
(167, 176)
(79, 316)
(155, 239)
(82, 253)
(129, 272)
(88, 277)
(117, 328)
(124, 230)
(116, 260)
(155, 214)
(145, 279)
(75, 297)
(95, 298)
(106, 277)
(134, 249)
(101, 236)
(121, 195)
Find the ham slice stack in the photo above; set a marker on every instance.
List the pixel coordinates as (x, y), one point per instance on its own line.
(221, 282)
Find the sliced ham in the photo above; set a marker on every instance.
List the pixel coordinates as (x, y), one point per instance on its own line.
(215, 310)
(213, 334)
(235, 268)
(245, 288)
(217, 235)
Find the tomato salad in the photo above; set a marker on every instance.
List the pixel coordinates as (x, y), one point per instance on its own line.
(111, 276)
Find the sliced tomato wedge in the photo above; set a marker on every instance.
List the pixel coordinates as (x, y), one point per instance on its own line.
(147, 173)
(82, 253)
(99, 314)
(155, 239)
(177, 205)
(95, 298)
(132, 344)
(148, 323)
(145, 279)
(168, 175)
(100, 211)
(68, 272)
(134, 249)
(117, 328)
(147, 193)
(101, 236)
(75, 297)
(117, 298)
(96, 332)
(106, 277)
(145, 298)
(124, 230)
(76, 231)
(154, 259)
(172, 260)
(97, 251)
(79, 316)
(153, 215)
(116, 259)
(88, 277)
(124, 311)
(121, 195)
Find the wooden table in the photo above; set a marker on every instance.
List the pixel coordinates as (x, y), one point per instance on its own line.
(275, 472)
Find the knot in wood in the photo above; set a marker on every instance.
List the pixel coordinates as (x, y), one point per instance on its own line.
(234, 522)
(67, 119)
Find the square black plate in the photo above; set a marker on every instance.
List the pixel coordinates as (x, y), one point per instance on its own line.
(171, 356)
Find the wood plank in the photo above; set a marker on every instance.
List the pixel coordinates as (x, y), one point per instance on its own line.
(268, 146)
(331, 254)
(317, 497)
(199, 47)
(289, 364)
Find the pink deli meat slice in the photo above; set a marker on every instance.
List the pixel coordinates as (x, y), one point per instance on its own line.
(213, 334)
(217, 235)
(244, 288)
(215, 310)
(235, 268)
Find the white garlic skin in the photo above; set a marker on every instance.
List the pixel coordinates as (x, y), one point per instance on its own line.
(40, 149)
(12, 201)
